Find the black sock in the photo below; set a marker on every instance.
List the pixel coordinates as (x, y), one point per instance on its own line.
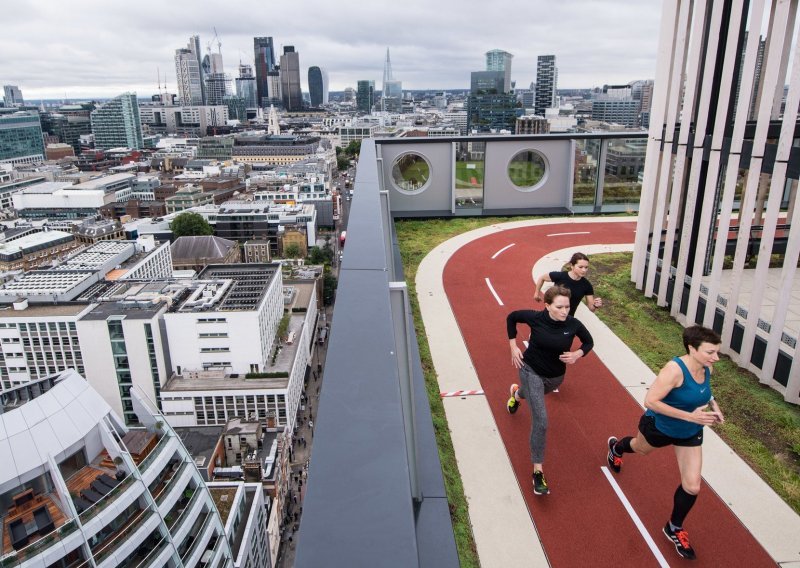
(683, 503)
(623, 446)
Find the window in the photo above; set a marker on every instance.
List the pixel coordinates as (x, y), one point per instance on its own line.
(411, 172)
(527, 169)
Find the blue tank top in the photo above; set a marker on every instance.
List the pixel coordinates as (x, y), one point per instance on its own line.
(689, 396)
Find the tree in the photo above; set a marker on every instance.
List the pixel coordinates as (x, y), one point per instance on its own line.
(329, 283)
(317, 255)
(342, 162)
(189, 225)
(292, 250)
(353, 148)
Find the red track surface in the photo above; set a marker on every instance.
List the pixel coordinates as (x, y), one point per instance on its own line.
(582, 522)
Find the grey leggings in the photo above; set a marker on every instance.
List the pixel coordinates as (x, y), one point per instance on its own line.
(533, 388)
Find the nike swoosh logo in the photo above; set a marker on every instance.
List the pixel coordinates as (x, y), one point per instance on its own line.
(566, 333)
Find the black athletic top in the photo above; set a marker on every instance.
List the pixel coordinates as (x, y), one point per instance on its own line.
(577, 288)
(549, 339)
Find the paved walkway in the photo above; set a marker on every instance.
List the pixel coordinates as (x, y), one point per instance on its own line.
(498, 511)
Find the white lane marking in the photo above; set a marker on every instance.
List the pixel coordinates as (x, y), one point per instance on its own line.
(636, 520)
(491, 289)
(495, 255)
(562, 234)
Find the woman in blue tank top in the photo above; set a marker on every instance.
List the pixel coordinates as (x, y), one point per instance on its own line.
(679, 404)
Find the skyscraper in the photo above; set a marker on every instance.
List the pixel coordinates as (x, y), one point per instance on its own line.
(546, 83)
(491, 105)
(12, 96)
(290, 79)
(265, 62)
(21, 137)
(246, 86)
(217, 83)
(365, 96)
(117, 124)
(189, 73)
(317, 86)
(392, 94)
(499, 60)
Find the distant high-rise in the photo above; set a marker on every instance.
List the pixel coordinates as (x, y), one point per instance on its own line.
(365, 96)
(21, 137)
(491, 106)
(217, 83)
(349, 94)
(753, 109)
(546, 84)
(274, 95)
(117, 123)
(12, 96)
(246, 86)
(317, 86)
(265, 63)
(487, 82)
(499, 60)
(392, 94)
(189, 73)
(290, 79)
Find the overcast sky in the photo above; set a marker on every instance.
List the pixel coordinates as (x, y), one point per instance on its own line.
(85, 48)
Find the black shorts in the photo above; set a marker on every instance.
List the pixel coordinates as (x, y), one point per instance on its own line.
(657, 439)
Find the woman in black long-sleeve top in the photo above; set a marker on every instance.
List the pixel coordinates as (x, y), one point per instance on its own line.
(543, 364)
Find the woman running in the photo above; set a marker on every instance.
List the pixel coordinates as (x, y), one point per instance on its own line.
(677, 409)
(574, 280)
(543, 364)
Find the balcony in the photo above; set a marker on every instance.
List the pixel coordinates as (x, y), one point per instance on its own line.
(111, 552)
(33, 523)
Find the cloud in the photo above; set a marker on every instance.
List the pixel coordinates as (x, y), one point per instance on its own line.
(93, 48)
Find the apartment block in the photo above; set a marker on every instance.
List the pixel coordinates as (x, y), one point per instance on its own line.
(83, 489)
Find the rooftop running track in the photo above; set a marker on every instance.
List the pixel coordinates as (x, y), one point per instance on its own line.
(592, 517)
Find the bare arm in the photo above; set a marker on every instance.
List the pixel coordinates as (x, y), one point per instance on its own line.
(538, 296)
(516, 353)
(593, 303)
(668, 378)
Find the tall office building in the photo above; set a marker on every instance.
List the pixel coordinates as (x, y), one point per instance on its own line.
(83, 489)
(246, 86)
(318, 86)
(12, 96)
(189, 73)
(392, 93)
(117, 123)
(21, 137)
(365, 96)
(217, 82)
(491, 105)
(546, 84)
(290, 79)
(762, 44)
(265, 63)
(499, 60)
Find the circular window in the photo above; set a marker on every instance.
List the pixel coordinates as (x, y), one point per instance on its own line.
(527, 169)
(411, 172)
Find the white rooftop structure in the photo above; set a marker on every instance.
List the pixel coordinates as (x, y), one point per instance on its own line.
(32, 240)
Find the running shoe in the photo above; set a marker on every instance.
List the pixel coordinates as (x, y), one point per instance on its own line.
(614, 461)
(539, 483)
(680, 538)
(513, 403)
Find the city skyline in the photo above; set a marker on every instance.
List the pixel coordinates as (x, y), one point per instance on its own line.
(92, 52)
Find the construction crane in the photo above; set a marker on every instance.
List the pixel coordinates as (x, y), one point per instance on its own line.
(219, 43)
